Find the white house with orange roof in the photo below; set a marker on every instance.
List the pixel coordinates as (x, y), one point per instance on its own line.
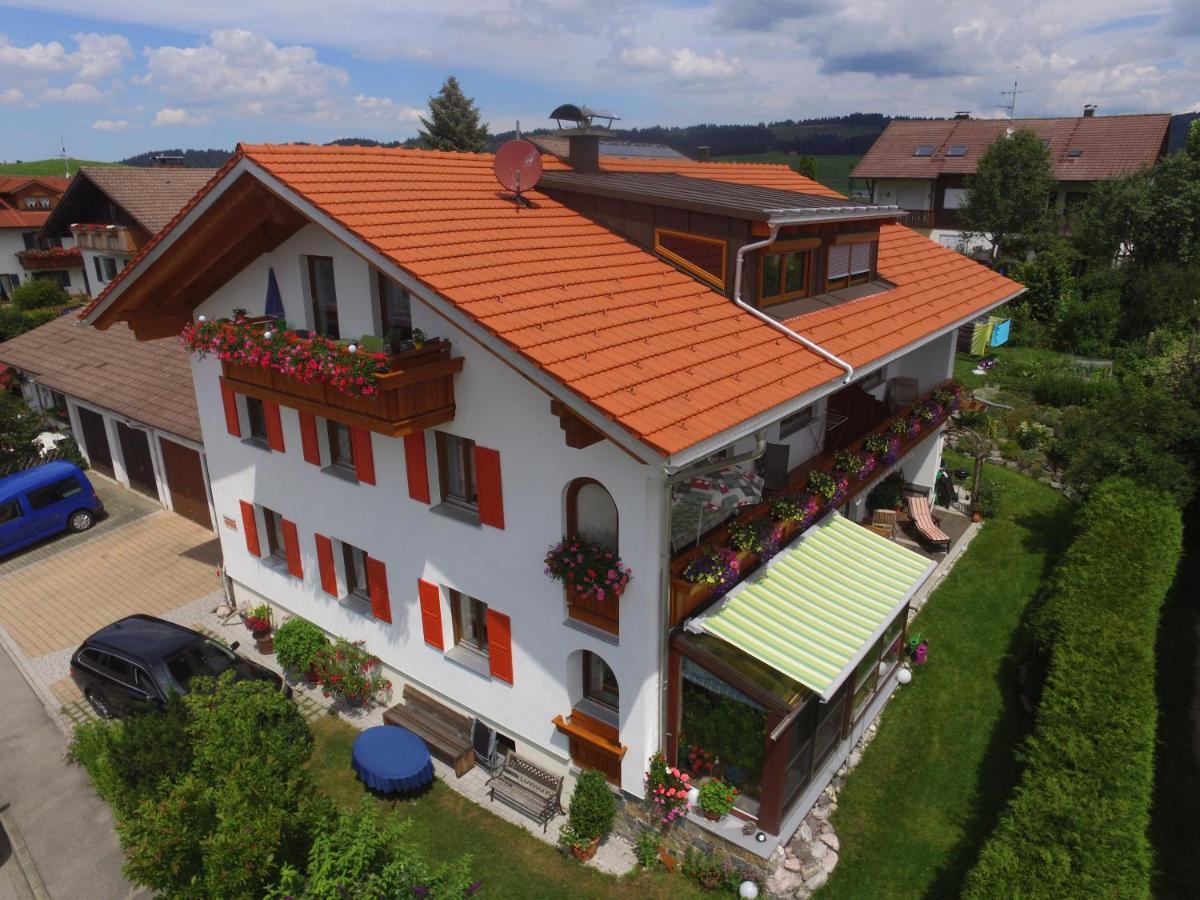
(454, 380)
(25, 204)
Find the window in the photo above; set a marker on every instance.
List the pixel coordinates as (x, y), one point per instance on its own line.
(591, 513)
(599, 683)
(257, 418)
(957, 150)
(99, 269)
(923, 150)
(456, 470)
(872, 381)
(40, 498)
(29, 238)
(324, 296)
(849, 263)
(9, 512)
(274, 522)
(37, 202)
(204, 658)
(1075, 153)
(789, 425)
(341, 447)
(783, 273)
(9, 283)
(395, 308)
(702, 256)
(60, 277)
(470, 622)
(109, 270)
(357, 577)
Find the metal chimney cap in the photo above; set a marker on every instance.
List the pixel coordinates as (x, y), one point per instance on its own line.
(582, 116)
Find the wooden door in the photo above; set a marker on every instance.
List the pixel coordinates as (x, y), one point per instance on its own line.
(95, 441)
(139, 466)
(185, 478)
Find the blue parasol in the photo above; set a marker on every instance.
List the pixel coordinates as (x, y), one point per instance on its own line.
(274, 299)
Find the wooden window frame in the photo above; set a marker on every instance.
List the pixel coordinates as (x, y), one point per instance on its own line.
(478, 614)
(589, 692)
(466, 453)
(336, 460)
(319, 326)
(802, 249)
(353, 588)
(685, 264)
(851, 277)
(261, 436)
(381, 285)
(276, 546)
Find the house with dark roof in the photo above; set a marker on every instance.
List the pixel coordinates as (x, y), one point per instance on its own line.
(584, 465)
(923, 166)
(110, 212)
(26, 201)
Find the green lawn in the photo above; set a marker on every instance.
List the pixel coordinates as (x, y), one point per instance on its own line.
(832, 171)
(1014, 357)
(914, 813)
(47, 166)
(510, 862)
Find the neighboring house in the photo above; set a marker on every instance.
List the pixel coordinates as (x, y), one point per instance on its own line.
(586, 360)
(129, 404)
(25, 203)
(923, 166)
(111, 212)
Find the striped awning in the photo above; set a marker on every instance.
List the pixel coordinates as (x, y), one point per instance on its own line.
(816, 609)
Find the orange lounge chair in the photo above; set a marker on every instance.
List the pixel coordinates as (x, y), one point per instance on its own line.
(922, 517)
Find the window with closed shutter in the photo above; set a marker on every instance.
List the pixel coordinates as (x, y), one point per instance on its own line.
(860, 258)
(839, 262)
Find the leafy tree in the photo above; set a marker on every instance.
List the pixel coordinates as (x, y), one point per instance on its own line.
(39, 294)
(19, 425)
(807, 166)
(453, 122)
(1049, 282)
(1007, 198)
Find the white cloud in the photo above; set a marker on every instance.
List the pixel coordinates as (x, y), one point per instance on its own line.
(12, 95)
(177, 116)
(98, 56)
(683, 64)
(76, 92)
(110, 125)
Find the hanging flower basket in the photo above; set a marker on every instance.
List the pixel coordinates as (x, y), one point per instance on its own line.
(588, 569)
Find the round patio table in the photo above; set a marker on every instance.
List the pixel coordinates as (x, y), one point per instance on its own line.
(390, 759)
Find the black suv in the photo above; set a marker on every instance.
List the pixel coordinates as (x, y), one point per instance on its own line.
(143, 659)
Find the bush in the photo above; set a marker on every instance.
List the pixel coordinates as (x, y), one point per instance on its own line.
(1032, 435)
(988, 498)
(40, 293)
(888, 494)
(592, 808)
(351, 673)
(1088, 326)
(709, 870)
(16, 321)
(646, 848)
(298, 643)
(1076, 823)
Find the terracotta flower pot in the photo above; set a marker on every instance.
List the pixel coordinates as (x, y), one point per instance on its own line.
(266, 644)
(712, 817)
(585, 852)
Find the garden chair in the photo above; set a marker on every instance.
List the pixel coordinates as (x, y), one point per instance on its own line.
(883, 523)
(927, 526)
(902, 392)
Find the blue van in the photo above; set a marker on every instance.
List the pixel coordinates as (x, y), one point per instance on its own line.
(43, 501)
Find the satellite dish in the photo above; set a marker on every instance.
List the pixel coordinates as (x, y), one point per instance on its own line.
(518, 166)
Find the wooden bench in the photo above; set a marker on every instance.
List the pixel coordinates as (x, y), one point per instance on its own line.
(527, 789)
(447, 733)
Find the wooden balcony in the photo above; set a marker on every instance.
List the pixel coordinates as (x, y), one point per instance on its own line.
(104, 238)
(687, 596)
(603, 614)
(415, 394)
(57, 258)
(593, 744)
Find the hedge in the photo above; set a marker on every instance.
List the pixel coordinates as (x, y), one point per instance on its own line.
(1076, 825)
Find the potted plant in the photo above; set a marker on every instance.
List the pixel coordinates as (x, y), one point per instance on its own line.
(917, 649)
(717, 566)
(350, 673)
(716, 799)
(700, 761)
(258, 620)
(589, 569)
(590, 815)
(418, 338)
(298, 644)
(822, 484)
(667, 789)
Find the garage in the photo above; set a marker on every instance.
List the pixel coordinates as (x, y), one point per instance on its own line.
(95, 441)
(185, 480)
(139, 464)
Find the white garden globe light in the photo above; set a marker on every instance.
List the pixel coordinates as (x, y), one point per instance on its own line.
(748, 890)
(693, 796)
(202, 319)
(353, 348)
(904, 676)
(267, 335)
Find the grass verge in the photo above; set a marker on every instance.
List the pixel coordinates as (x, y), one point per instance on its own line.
(913, 815)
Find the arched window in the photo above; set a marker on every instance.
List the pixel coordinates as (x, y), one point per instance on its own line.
(600, 684)
(591, 513)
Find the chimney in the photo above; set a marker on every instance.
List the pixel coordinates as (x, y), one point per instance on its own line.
(1089, 110)
(583, 150)
(963, 114)
(583, 141)
(703, 153)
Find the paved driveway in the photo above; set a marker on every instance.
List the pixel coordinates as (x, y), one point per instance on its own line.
(141, 558)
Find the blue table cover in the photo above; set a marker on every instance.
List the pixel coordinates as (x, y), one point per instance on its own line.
(389, 758)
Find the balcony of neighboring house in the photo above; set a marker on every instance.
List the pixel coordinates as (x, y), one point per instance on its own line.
(37, 260)
(367, 383)
(919, 218)
(104, 238)
(863, 441)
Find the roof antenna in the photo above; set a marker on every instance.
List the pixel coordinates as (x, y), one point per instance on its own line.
(1011, 105)
(66, 165)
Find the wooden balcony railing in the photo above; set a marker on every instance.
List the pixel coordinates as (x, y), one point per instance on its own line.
(919, 218)
(104, 237)
(687, 596)
(603, 614)
(593, 744)
(417, 393)
(57, 258)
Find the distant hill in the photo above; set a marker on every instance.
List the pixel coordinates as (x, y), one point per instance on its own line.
(192, 159)
(47, 166)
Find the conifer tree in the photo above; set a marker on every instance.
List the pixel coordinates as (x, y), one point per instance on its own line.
(453, 122)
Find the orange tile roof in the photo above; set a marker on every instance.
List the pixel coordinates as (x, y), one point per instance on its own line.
(20, 218)
(665, 357)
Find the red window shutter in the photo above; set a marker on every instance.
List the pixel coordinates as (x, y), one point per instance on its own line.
(229, 400)
(381, 604)
(487, 485)
(364, 459)
(291, 549)
(431, 612)
(250, 527)
(416, 467)
(308, 438)
(274, 425)
(499, 634)
(325, 564)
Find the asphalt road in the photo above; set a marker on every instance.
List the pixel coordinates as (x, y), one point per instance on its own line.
(67, 829)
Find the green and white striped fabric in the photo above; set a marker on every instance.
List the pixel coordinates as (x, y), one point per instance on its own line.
(817, 607)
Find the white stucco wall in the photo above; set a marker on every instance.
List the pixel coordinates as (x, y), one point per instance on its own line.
(908, 193)
(11, 243)
(503, 568)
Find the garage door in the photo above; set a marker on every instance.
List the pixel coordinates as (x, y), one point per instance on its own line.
(139, 467)
(185, 478)
(95, 441)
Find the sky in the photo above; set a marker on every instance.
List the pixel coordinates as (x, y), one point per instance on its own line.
(126, 76)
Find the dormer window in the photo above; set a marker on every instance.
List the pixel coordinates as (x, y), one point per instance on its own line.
(703, 257)
(323, 295)
(849, 261)
(923, 150)
(785, 271)
(957, 150)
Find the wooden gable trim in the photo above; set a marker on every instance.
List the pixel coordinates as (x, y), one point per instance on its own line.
(579, 434)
